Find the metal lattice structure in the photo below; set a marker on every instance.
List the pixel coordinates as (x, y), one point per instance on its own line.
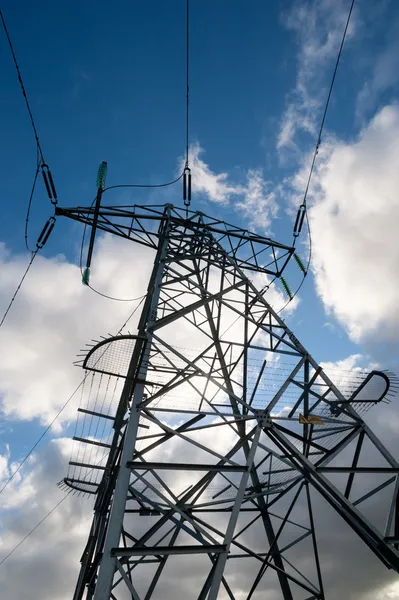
(211, 429)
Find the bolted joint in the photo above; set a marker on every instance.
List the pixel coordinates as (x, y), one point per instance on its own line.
(264, 419)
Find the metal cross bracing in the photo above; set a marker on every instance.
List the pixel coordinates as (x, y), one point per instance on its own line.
(207, 433)
(144, 224)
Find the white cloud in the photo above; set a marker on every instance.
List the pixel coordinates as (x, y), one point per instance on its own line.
(252, 198)
(391, 592)
(354, 220)
(55, 331)
(350, 363)
(46, 564)
(54, 316)
(216, 187)
(259, 204)
(318, 27)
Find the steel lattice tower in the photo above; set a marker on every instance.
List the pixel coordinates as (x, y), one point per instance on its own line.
(257, 423)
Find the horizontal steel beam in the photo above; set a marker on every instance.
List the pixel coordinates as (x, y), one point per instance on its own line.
(86, 465)
(95, 414)
(147, 466)
(357, 469)
(109, 417)
(94, 442)
(167, 550)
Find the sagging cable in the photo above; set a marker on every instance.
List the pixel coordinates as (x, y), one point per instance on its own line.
(45, 234)
(49, 183)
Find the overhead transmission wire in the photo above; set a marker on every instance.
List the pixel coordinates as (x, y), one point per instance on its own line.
(46, 173)
(87, 284)
(38, 441)
(302, 213)
(33, 530)
(187, 120)
(185, 174)
(37, 171)
(187, 75)
(62, 408)
(18, 287)
(181, 176)
(39, 147)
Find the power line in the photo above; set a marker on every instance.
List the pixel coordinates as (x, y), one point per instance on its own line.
(111, 297)
(42, 239)
(62, 409)
(19, 286)
(187, 73)
(23, 88)
(328, 102)
(143, 185)
(46, 173)
(187, 129)
(185, 175)
(112, 187)
(30, 204)
(36, 444)
(41, 520)
(302, 213)
(107, 296)
(33, 530)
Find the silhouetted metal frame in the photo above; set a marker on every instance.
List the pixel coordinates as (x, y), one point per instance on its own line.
(106, 564)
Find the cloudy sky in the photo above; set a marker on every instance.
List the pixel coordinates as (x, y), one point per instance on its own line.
(107, 83)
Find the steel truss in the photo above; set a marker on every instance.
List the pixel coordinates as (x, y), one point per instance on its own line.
(219, 442)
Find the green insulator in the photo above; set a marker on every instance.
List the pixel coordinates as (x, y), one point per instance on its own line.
(286, 288)
(86, 276)
(102, 174)
(300, 263)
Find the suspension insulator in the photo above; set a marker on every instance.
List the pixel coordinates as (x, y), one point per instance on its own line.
(299, 220)
(187, 186)
(184, 187)
(47, 229)
(102, 174)
(300, 263)
(49, 183)
(86, 276)
(46, 181)
(53, 190)
(286, 288)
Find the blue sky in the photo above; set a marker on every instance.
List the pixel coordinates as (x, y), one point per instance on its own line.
(107, 82)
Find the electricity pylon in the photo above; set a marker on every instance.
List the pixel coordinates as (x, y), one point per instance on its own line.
(225, 429)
